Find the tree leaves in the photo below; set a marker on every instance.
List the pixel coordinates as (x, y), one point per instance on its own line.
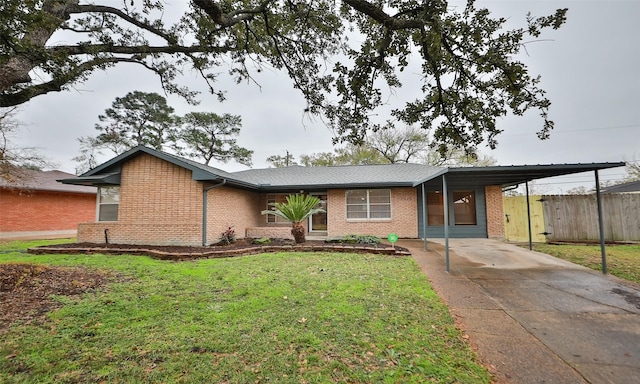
(345, 58)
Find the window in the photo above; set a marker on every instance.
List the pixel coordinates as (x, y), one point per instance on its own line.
(276, 198)
(369, 204)
(464, 208)
(435, 208)
(108, 201)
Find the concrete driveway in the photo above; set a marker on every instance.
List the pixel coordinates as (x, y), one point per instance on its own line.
(536, 319)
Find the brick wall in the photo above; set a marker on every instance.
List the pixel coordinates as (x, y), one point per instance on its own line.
(141, 233)
(272, 232)
(26, 211)
(230, 207)
(159, 204)
(495, 213)
(403, 222)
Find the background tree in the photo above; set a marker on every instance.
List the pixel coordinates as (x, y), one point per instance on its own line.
(14, 159)
(351, 154)
(209, 136)
(469, 73)
(400, 145)
(90, 149)
(459, 157)
(278, 161)
(580, 190)
(408, 145)
(632, 169)
(139, 118)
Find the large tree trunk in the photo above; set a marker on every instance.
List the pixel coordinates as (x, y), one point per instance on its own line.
(297, 230)
(16, 69)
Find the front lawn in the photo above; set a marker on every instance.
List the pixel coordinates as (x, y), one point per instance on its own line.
(285, 318)
(622, 260)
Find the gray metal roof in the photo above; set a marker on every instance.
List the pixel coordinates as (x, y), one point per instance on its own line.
(516, 174)
(354, 176)
(45, 181)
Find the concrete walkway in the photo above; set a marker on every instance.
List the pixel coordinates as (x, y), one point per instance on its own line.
(38, 235)
(533, 318)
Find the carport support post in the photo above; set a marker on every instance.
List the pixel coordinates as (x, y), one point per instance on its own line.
(526, 187)
(603, 250)
(424, 218)
(445, 202)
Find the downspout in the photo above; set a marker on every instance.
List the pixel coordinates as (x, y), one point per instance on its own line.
(526, 185)
(204, 209)
(424, 218)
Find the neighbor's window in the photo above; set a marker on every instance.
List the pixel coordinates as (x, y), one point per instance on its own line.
(108, 201)
(276, 198)
(369, 204)
(464, 208)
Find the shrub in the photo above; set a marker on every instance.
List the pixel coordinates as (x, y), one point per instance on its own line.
(262, 241)
(228, 237)
(355, 239)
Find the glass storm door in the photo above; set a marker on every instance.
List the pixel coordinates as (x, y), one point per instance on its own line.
(318, 222)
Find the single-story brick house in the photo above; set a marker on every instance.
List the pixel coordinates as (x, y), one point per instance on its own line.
(151, 197)
(36, 205)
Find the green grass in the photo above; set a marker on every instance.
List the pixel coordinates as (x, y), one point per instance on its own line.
(21, 246)
(286, 318)
(622, 260)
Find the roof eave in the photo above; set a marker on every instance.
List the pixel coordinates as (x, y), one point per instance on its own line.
(94, 180)
(270, 187)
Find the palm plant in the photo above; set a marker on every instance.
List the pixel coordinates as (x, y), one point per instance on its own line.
(295, 210)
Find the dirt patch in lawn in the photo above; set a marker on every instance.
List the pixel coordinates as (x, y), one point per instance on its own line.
(239, 248)
(26, 290)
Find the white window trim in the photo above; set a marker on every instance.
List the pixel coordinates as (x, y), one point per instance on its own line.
(99, 204)
(369, 218)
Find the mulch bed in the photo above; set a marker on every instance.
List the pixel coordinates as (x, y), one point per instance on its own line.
(241, 247)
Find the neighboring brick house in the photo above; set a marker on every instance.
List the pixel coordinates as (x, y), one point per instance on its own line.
(36, 205)
(151, 197)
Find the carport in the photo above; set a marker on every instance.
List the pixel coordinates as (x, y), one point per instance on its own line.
(509, 176)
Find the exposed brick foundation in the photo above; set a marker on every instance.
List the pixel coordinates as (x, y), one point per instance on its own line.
(271, 232)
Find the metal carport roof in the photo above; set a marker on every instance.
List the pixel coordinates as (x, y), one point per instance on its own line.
(517, 174)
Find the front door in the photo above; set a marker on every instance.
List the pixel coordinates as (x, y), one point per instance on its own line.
(318, 222)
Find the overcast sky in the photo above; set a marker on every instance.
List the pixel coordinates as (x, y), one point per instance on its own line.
(590, 69)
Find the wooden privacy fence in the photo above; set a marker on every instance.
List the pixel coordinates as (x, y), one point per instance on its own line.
(573, 217)
(515, 219)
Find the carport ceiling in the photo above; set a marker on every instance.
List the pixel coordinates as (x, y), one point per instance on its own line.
(517, 174)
